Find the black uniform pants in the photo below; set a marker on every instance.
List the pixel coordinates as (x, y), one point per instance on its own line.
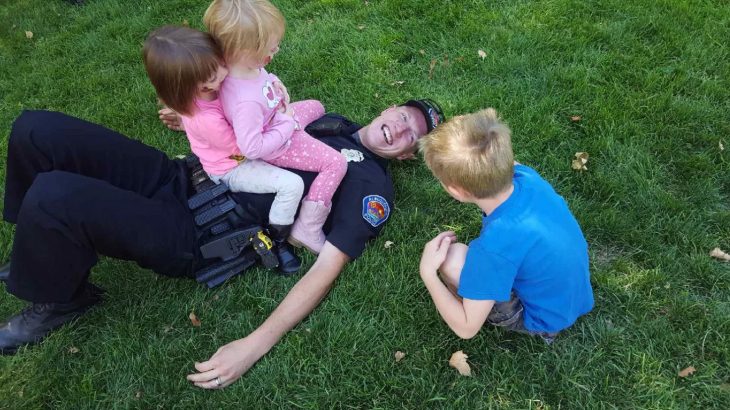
(75, 190)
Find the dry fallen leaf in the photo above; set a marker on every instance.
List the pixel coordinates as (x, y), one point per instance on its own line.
(719, 254)
(361, 27)
(482, 54)
(185, 23)
(399, 356)
(431, 67)
(73, 349)
(388, 244)
(28, 34)
(579, 163)
(686, 371)
(422, 51)
(194, 319)
(458, 362)
(575, 118)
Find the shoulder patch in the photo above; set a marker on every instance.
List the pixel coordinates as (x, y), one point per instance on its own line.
(375, 209)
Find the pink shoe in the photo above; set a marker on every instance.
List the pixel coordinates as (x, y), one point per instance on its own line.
(307, 229)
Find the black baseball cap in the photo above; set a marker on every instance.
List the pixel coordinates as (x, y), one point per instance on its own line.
(431, 111)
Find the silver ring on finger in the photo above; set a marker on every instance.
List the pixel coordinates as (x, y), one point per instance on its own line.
(218, 381)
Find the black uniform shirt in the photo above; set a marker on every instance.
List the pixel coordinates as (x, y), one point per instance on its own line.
(362, 203)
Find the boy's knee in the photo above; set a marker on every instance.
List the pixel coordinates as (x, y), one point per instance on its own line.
(451, 268)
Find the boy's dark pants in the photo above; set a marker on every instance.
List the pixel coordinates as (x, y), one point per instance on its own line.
(74, 190)
(509, 315)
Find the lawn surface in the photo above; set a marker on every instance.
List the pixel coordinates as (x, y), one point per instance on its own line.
(650, 81)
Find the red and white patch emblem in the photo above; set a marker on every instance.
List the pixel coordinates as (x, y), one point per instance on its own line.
(375, 209)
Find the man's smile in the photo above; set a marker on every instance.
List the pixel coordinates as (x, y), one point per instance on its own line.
(386, 134)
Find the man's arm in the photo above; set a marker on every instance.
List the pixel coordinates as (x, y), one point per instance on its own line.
(234, 359)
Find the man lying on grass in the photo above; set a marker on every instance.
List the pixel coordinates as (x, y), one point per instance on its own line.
(76, 190)
(528, 269)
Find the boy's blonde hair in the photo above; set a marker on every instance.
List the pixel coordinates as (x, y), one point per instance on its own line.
(244, 27)
(178, 60)
(472, 152)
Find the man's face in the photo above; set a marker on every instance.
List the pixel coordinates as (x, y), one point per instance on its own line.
(395, 132)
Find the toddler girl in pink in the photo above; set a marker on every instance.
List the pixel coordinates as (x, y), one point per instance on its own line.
(185, 67)
(266, 124)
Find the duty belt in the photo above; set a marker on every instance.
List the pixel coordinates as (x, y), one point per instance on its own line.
(225, 240)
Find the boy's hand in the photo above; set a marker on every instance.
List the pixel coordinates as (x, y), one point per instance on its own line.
(434, 253)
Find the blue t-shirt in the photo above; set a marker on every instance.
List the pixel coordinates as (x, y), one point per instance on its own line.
(533, 245)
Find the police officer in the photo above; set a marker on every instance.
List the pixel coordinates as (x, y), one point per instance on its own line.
(75, 189)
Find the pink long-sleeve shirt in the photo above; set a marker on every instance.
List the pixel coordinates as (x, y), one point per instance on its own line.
(211, 137)
(251, 108)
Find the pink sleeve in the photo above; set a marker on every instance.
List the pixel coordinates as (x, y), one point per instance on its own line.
(253, 138)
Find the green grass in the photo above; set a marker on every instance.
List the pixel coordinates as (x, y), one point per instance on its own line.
(651, 81)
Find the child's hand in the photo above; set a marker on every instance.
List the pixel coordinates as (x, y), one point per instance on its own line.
(434, 253)
(286, 108)
(281, 90)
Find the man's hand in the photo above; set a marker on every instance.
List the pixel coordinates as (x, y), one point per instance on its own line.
(171, 119)
(434, 253)
(236, 358)
(227, 364)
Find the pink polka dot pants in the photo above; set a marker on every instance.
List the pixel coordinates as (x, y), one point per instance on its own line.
(309, 154)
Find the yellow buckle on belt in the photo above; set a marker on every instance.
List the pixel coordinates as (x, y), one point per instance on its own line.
(238, 158)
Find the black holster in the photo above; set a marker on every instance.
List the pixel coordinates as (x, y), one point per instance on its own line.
(228, 245)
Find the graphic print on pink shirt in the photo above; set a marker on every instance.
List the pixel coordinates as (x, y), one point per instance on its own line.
(272, 100)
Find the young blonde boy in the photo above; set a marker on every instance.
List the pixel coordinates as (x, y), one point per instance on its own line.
(528, 269)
